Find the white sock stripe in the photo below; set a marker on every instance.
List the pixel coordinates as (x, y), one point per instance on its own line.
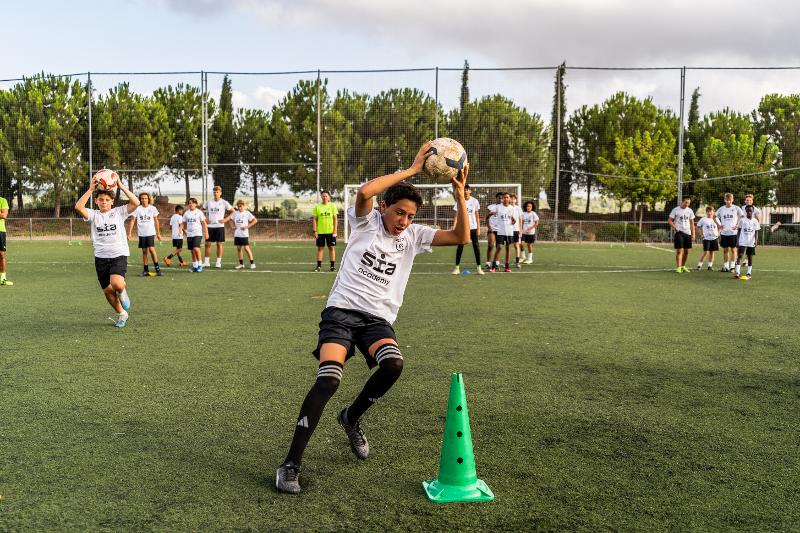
(389, 356)
(386, 348)
(330, 372)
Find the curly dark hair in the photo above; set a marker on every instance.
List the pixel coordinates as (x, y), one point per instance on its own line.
(402, 191)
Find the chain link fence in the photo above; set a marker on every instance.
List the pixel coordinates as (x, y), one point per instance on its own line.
(597, 149)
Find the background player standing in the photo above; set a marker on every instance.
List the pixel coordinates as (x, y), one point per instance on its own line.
(242, 221)
(145, 219)
(196, 228)
(3, 217)
(748, 231)
(728, 216)
(326, 221)
(680, 218)
(530, 221)
(176, 225)
(710, 226)
(216, 210)
(473, 206)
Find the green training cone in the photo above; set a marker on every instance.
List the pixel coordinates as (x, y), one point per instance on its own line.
(457, 481)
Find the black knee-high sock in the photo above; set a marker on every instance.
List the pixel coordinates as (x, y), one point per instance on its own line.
(459, 251)
(477, 250)
(328, 377)
(390, 365)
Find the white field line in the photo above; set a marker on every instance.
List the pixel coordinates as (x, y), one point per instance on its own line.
(660, 249)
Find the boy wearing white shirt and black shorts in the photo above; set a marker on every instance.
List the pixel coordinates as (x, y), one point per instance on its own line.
(194, 223)
(364, 301)
(710, 226)
(216, 210)
(680, 219)
(176, 224)
(242, 221)
(491, 234)
(517, 229)
(530, 221)
(145, 218)
(107, 226)
(506, 224)
(473, 206)
(728, 216)
(748, 232)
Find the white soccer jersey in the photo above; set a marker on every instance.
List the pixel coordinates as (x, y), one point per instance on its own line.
(241, 220)
(216, 210)
(472, 211)
(193, 221)
(175, 222)
(683, 219)
(109, 237)
(146, 220)
(748, 227)
(728, 217)
(504, 215)
(528, 221)
(375, 267)
(518, 217)
(493, 218)
(709, 227)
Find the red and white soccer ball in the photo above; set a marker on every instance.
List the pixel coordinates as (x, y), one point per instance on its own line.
(449, 157)
(106, 179)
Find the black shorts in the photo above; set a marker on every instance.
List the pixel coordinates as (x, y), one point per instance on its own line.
(147, 242)
(747, 250)
(177, 243)
(2, 241)
(728, 241)
(351, 329)
(505, 239)
(193, 242)
(241, 241)
(216, 235)
(516, 236)
(529, 239)
(491, 232)
(710, 245)
(106, 267)
(682, 240)
(325, 239)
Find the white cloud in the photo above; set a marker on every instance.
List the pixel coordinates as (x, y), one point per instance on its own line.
(261, 97)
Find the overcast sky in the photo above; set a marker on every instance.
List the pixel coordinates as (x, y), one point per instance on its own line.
(280, 35)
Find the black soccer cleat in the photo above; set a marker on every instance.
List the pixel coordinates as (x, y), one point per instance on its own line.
(333, 269)
(317, 269)
(287, 478)
(358, 442)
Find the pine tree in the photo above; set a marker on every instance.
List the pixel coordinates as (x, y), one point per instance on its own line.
(564, 161)
(223, 149)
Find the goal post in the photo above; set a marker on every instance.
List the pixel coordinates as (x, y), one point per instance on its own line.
(438, 202)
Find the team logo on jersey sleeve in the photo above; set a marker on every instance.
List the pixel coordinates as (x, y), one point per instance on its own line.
(400, 244)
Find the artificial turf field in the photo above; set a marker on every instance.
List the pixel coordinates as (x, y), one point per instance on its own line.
(605, 392)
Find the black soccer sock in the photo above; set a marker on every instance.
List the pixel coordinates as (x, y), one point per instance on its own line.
(158, 267)
(241, 261)
(517, 261)
(477, 250)
(179, 257)
(169, 256)
(252, 261)
(390, 365)
(506, 265)
(333, 264)
(459, 251)
(319, 264)
(328, 377)
(147, 268)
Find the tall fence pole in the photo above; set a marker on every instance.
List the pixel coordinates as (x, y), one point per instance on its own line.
(203, 133)
(680, 136)
(558, 149)
(436, 106)
(319, 133)
(89, 97)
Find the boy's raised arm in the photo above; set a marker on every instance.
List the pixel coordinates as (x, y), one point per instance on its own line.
(460, 232)
(377, 185)
(80, 205)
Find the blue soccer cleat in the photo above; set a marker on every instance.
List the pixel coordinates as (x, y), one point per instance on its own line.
(124, 301)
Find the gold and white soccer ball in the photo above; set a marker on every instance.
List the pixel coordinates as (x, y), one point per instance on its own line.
(448, 158)
(106, 179)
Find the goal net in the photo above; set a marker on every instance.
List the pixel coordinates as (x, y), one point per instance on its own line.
(437, 206)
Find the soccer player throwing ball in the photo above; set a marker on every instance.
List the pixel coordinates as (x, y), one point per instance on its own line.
(681, 221)
(364, 301)
(110, 242)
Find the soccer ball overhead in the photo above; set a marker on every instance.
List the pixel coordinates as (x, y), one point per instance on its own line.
(449, 157)
(106, 179)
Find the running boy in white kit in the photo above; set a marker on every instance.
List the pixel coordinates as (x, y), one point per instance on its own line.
(109, 239)
(176, 225)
